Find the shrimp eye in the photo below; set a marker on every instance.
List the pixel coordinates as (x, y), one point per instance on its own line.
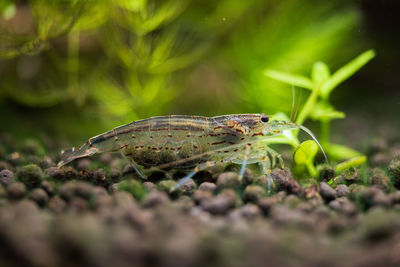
(264, 118)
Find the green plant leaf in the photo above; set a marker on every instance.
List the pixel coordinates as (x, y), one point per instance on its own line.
(340, 152)
(353, 162)
(346, 71)
(324, 112)
(292, 79)
(305, 154)
(320, 73)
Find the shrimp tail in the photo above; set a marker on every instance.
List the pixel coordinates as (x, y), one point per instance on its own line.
(74, 153)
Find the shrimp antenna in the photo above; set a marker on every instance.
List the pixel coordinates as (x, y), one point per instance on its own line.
(297, 107)
(293, 104)
(314, 138)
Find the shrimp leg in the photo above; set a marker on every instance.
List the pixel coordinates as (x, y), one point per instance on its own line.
(265, 165)
(137, 170)
(198, 168)
(244, 163)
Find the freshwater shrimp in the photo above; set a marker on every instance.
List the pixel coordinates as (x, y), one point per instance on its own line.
(191, 142)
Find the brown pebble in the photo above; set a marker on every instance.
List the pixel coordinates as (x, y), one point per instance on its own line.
(78, 204)
(200, 196)
(39, 196)
(188, 187)
(56, 205)
(228, 180)
(6, 177)
(106, 158)
(283, 180)
(83, 164)
(342, 190)
(55, 173)
(221, 203)
(253, 193)
(208, 186)
(101, 201)
(394, 197)
(3, 192)
(344, 206)
(5, 166)
(250, 211)
(327, 192)
(67, 190)
(155, 198)
(266, 204)
(379, 160)
(16, 190)
(248, 176)
(84, 190)
(149, 185)
(48, 187)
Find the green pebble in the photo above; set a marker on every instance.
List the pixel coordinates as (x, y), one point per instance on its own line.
(135, 188)
(31, 175)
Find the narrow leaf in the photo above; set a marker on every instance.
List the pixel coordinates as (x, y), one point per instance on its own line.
(292, 79)
(346, 71)
(320, 73)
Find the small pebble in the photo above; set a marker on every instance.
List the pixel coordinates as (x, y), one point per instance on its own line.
(67, 190)
(380, 179)
(327, 192)
(221, 203)
(84, 190)
(228, 180)
(248, 176)
(394, 170)
(253, 193)
(46, 162)
(6, 177)
(207, 186)
(39, 196)
(55, 173)
(283, 179)
(188, 187)
(155, 198)
(326, 173)
(16, 190)
(57, 204)
(342, 190)
(3, 192)
(149, 185)
(5, 166)
(394, 197)
(106, 158)
(266, 203)
(83, 164)
(351, 176)
(200, 196)
(377, 145)
(166, 185)
(48, 187)
(31, 175)
(78, 205)
(250, 211)
(379, 160)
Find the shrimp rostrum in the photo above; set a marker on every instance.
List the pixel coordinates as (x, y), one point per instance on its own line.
(190, 142)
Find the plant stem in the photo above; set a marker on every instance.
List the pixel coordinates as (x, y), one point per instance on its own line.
(325, 128)
(308, 106)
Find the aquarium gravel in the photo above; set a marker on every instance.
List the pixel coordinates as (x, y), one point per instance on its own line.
(97, 212)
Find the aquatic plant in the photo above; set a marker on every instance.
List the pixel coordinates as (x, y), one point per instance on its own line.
(318, 108)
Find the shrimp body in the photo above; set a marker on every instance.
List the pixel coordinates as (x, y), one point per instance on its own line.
(181, 141)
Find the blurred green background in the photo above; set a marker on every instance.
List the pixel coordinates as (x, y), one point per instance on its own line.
(73, 69)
